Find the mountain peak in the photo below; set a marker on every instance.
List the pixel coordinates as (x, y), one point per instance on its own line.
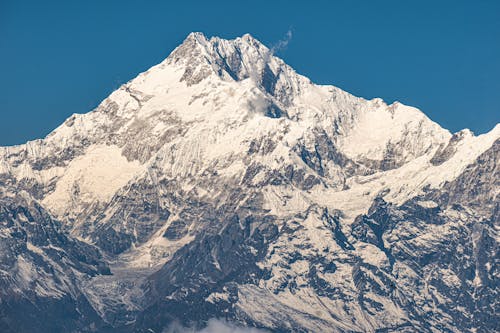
(247, 37)
(232, 60)
(220, 47)
(251, 40)
(244, 43)
(195, 38)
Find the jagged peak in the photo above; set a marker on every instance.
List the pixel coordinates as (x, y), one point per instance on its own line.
(201, 38)
(252, 41)
(196, 35)
(248, 37)
(464, 133)
(233, 59)
(213, 45)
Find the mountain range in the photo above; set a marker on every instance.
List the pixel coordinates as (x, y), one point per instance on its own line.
(222, 184)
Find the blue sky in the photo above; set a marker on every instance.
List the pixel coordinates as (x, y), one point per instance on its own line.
(64, 57)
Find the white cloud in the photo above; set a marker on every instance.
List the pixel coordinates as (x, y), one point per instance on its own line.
(214, 326)
(283, 43)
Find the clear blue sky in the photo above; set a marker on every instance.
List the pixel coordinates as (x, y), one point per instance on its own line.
(62, 57)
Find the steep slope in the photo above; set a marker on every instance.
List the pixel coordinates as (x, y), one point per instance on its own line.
(221, 183)
(41, 270)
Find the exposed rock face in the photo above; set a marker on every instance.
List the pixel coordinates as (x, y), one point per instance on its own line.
(446, 151)
(40, 272)
(222, 184)
(478, 186)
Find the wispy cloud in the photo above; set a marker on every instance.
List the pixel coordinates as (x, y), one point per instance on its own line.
(282, 43)
(214, 326)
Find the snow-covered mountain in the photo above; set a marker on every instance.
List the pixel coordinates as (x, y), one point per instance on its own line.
(222, 184)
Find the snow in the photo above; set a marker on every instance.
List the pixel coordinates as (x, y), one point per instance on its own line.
(428, 204)
(372, 255)
(156, 251)
(216, 297)
(218, 118)
(190, 129)
(379, 124)
(210, 125)
(97, 175)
